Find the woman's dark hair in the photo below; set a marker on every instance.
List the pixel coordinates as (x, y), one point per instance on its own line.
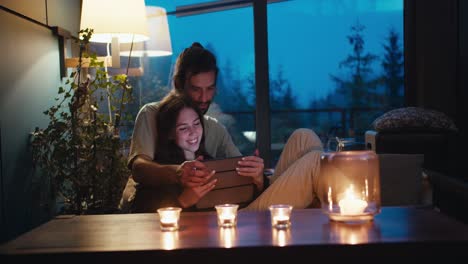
(192, 61)
(167, 151)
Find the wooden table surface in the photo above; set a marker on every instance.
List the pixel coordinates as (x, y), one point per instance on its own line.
(396, 231)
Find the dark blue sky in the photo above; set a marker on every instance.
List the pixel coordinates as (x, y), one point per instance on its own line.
(307, 38)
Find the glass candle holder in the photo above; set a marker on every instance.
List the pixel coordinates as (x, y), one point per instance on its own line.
(350, 187)
(339, 144)
(169, 218)
(280, 215)
(227, 214)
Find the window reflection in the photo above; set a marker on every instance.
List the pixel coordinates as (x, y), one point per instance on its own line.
(353, 233)
(281, 237)
(169, 239)
(228, 236)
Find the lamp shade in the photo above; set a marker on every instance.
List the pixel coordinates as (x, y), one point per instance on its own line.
(159, 43)
(123, 19)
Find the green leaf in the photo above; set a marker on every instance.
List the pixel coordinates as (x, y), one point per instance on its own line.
(76, 150)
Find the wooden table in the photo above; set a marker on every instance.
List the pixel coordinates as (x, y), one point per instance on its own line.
(395, 232)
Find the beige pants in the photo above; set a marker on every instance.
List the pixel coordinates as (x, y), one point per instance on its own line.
(295, 180)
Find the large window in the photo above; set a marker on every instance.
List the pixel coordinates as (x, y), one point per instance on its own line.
(333, 65)
(232, 43)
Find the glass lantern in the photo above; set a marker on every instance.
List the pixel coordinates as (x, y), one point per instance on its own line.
(350, 187)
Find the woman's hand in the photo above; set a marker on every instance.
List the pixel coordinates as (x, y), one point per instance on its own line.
(193, 173)
(252, 166)
(192, 195)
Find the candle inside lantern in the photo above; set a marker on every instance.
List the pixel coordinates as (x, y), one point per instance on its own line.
(227, 214)
(350, 204)
(169, 218)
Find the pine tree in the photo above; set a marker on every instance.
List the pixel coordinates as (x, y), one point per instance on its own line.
(360, 88)
(392, 64)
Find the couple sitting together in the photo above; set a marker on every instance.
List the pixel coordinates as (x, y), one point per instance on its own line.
(173, 136)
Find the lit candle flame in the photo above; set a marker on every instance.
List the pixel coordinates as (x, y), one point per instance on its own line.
(350, 204)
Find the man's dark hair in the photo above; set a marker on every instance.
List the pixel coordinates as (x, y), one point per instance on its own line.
(192, 61)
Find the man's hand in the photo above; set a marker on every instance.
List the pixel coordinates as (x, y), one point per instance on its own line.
(252, 166)
(193, 173)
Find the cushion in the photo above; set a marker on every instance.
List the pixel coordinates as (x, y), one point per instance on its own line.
(414, 119)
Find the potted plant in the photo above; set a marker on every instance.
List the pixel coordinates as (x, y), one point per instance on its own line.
(80, 152)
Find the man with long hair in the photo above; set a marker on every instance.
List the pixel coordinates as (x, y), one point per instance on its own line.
(195, 76)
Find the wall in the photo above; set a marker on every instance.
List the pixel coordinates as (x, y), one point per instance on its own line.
(431, 53)
(30, 77)
(436, 63)
(462, 91)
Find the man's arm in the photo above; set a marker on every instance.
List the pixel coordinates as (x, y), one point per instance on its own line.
(148, 172)
(142, 149)
(189, 174)
(143, 143)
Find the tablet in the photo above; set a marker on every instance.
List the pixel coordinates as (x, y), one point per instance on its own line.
(226, 172)
(230, 187)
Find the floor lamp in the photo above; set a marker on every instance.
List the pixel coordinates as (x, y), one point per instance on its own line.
(115, 22)
(159, 43)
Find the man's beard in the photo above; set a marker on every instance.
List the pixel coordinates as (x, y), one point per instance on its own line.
(204, 110)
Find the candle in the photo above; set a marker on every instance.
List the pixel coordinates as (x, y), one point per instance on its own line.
(281, 220)
(169, 218)
(227, 218)
(227, 214)
(350, 204)
(280, 215)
